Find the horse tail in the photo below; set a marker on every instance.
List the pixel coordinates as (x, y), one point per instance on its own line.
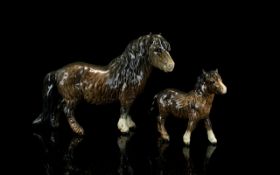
(48, 100)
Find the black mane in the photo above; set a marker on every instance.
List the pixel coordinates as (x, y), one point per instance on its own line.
(201, 83)
(134, 63)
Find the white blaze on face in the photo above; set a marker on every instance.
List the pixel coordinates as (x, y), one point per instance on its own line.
(224, 88)
(65, 77)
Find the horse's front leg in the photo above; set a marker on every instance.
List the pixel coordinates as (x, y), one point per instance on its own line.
(190, 128)
(210, 133)
(69, 112)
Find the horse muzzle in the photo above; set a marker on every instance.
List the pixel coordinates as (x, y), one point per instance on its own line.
(169, 66)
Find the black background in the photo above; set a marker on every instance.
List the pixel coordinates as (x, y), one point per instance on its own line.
(234, 47)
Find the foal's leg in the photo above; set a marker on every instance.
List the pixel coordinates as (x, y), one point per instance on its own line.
(210, 133)
(122, 123)
(69, 112)
(190, 128)
(161, 127)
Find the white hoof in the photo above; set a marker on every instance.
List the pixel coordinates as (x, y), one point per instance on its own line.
(187, 138)
(213, 140)
(122, 125)
(211, 137)
(165, 137)
(130, 123)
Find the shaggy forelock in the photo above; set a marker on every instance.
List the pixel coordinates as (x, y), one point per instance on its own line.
(160, 42)
(213, 75)
(135, 58)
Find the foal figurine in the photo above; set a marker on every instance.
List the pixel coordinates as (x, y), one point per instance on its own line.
(121, 80)
(194, 105)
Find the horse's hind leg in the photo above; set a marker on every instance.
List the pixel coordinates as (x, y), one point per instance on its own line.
(210, 133)
(69, 112)
(161, 127)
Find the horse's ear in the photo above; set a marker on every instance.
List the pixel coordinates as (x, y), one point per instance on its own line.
(216, 70)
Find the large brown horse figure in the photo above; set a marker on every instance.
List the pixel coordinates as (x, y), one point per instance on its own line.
(122, 79)
(194, 105)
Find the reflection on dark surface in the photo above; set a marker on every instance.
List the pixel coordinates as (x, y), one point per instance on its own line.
(173, 161)
(52, 157)
(125, 166)
(124, 156)
(70, 168)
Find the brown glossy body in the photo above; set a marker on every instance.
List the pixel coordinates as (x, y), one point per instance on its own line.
(121, 80)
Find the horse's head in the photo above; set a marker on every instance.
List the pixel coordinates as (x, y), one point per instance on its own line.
(213, 82)
(158, 52)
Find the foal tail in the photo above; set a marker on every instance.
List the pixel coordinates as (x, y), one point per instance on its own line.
(48, 100)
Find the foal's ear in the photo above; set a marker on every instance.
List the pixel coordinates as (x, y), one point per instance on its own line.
(216, 71)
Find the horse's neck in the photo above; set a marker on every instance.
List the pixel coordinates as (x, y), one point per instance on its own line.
(209, 98)
(126, 70)
(202, 90)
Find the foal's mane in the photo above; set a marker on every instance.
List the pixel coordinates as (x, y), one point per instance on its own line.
(201, 81)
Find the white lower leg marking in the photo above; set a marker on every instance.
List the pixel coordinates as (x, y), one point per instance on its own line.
(122, 125)
(211, 136)
(187, 137)
(130, 122)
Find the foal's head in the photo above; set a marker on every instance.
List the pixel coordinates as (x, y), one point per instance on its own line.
(211, 82)
(159, 56)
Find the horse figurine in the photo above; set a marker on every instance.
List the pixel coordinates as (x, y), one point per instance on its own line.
(122, 79)
(194, 105)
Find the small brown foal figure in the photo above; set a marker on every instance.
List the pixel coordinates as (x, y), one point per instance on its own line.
(194, 105)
